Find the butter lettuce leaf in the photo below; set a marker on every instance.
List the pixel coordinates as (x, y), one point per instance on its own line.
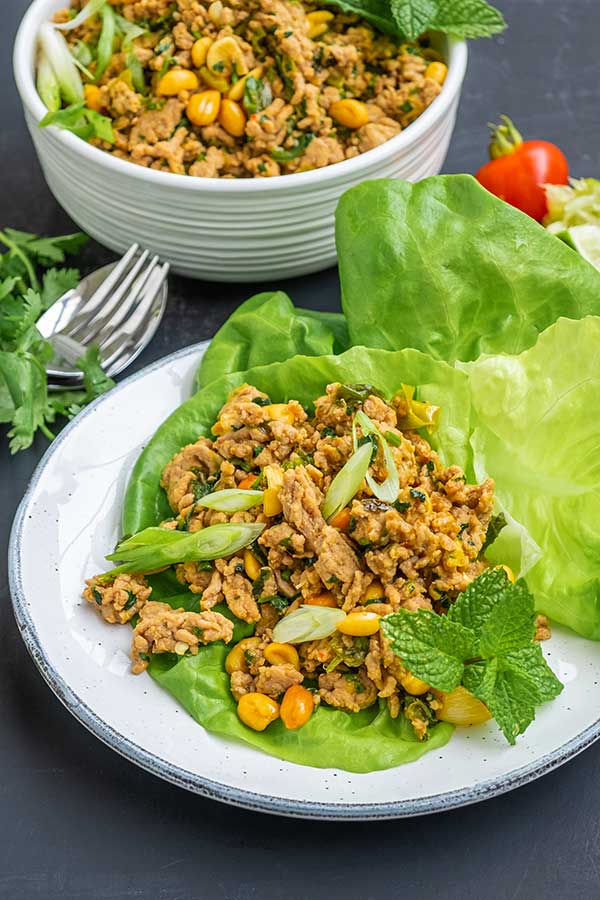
(447, 268)
(537, 433)
(268, 328)
(355, 742)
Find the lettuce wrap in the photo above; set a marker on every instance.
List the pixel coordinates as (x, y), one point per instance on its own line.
(357, 742)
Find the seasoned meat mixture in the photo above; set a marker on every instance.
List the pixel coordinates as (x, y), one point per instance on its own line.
(248, 88)
(371, 557)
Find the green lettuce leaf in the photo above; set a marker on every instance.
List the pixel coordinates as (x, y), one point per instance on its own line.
(268, 328)
(537, 433)
(355, 742)
(452, 270)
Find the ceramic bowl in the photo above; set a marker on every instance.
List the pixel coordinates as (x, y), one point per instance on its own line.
(221, 229)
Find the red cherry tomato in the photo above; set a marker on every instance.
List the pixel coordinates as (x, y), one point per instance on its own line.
(518, 170)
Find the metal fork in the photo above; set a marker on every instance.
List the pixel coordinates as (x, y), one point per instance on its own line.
(117, 307)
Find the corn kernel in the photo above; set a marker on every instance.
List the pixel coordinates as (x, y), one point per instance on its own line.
(226, 56)
(413, 685)
(297, 707)
(349, 113)
(280, 412)
(232, 117)
(360, 624)
(237, 90)
(257, 710)
(318, 22)
(177, 80)
(251, 565)
(181, 648)
(235, 660)
(374, 591)
(271, 502)
(324, 599)
(280, 654)
(93, 96)
(203, 109)
(341, 520)
(215, 12)
(199, 51)
(437, 71)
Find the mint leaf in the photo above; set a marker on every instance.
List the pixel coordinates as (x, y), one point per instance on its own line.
(530, 662)
(431, 646)
(467, 18)
(377, 12)
(506, 692)
(475, 604)
(501, 613)
(413, 17)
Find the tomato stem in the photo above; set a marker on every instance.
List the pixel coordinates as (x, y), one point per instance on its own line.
(505, 138)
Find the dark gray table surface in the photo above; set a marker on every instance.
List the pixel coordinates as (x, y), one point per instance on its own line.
(77, 821)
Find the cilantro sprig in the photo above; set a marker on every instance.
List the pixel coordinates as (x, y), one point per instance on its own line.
(31, 279)
(485, 643)
(410, 18)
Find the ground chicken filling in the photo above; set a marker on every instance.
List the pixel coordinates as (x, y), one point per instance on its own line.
(250, 88)
(370, 559)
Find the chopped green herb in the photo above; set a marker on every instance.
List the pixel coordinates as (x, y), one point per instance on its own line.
(131, 598)
(418, 495)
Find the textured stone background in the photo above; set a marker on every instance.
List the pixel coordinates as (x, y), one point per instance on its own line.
(79, 822)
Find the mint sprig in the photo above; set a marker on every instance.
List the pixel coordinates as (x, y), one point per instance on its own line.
(485, 643)
(408, 19)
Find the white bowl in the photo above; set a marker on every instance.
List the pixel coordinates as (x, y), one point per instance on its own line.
(214, 228)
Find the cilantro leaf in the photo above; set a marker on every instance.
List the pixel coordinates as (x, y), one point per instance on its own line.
(25, 380)
(499, 612)
(46, 250)
(57, 282)
(432, 647)
(95, 379)
(413, 17)
(467, 18)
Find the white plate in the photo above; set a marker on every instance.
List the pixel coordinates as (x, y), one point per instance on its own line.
(70, 516)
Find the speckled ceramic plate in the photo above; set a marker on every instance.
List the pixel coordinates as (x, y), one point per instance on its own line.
(70, 515)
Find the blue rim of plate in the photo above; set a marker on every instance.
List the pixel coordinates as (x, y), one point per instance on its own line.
(304, 809)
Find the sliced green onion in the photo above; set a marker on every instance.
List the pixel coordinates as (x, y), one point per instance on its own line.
(419, 413)
(231, 500)
(347, 482)
(388, 489)
(47, 84)
(105, 41)
(82, 53)
(129, 30)
(157, 548)
(308, 623)
(56, 50)
(89, 10)
(138, 78)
